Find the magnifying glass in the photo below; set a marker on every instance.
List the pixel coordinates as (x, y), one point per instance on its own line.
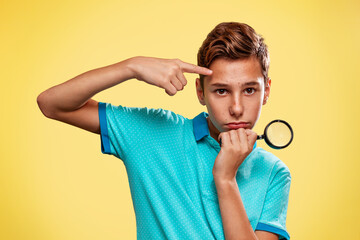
(278, 134)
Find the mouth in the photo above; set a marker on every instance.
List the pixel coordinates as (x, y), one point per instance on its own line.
(237, 125)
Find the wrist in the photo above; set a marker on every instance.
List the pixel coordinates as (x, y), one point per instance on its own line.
(222, 175)
(224, 180)
(131, 67)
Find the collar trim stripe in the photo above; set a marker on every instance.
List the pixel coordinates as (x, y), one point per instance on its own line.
(200, 126)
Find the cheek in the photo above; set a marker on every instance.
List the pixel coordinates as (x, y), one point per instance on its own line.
(216, 105)
(253, 106)
(216, 108)
(210, 101)
(258, 106)
(257, 109)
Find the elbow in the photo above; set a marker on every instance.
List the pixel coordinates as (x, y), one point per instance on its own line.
(43, 105)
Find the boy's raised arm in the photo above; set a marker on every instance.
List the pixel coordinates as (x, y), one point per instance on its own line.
(71, 102)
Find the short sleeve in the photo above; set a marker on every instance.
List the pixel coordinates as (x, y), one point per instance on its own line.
(106, 136)
(273, 215)
(123, 130)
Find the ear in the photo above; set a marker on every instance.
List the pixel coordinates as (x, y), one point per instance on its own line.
(267, 91)
(199, 92)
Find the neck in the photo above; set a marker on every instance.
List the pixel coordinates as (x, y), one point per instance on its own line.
(214, 133)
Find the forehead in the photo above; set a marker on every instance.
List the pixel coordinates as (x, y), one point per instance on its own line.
(232, 71)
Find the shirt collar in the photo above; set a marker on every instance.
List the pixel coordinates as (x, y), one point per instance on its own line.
(201, 128)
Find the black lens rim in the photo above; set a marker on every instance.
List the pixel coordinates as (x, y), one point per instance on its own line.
(267, 139)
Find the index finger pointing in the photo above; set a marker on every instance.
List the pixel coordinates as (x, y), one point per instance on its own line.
(191, 68)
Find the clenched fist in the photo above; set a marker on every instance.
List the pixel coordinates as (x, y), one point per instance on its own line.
(236, 145)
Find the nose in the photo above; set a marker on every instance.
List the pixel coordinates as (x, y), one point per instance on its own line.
(236, 107)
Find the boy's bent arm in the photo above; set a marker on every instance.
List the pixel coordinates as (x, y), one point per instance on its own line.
(71, 102)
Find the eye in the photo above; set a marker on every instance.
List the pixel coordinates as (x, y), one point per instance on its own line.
(221, 91)
(249, 91)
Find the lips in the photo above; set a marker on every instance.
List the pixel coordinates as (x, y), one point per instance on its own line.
(237, 125)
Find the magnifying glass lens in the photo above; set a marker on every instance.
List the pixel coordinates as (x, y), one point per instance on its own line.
(279, 134)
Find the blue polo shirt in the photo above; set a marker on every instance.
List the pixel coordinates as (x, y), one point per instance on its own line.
(169, 160)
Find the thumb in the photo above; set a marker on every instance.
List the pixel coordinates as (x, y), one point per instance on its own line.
(252, 136)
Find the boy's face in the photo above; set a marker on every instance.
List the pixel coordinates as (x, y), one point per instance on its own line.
(234, 93)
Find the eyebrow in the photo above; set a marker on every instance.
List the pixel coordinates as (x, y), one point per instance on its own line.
(226, 85)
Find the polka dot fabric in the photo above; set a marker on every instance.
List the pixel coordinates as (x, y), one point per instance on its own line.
(169, 160)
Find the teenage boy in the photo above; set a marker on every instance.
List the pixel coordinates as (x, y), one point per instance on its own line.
(184, 184)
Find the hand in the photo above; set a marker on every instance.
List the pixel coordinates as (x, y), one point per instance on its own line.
(236, 145)
(164, 73)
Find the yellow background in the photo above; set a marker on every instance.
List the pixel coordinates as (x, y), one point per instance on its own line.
(55, 182)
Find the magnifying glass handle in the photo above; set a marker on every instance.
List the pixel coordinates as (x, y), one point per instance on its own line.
(260, 137)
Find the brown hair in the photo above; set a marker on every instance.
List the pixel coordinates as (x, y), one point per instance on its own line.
(233, 40)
